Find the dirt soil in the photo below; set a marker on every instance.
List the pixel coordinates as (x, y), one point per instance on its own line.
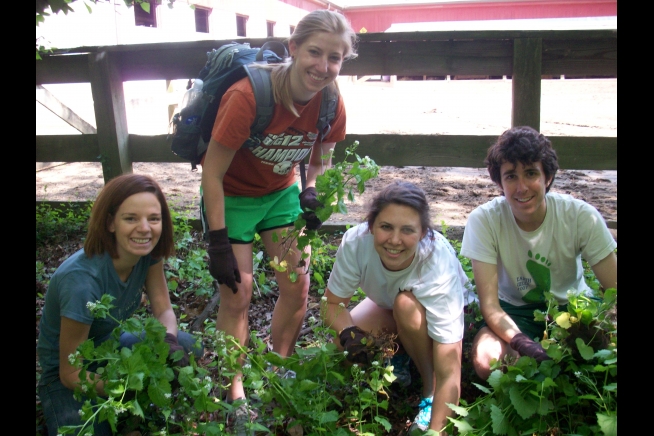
(574, 107)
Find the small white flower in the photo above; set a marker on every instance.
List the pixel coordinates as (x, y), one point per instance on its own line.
(375, 363)
(341, 304)
(312, 319)
(324, 298)
(90, 305)
(345, 353)
(167, 395)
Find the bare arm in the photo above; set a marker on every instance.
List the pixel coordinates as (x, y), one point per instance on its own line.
(72, 334)
(336, 316)
(216, 163)
(317, 165)
(606, 271)
(447, 369)
(498, 321)
(157, 290)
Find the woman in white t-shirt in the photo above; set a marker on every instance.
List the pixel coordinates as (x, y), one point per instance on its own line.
(414, 286)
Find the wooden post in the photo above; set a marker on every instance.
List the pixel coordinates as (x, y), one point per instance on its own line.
(110, 115)
(526, 82)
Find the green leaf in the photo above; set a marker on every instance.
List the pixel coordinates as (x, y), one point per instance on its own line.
(525, 405)
(494, 378)
(384, 422)
(308, 385)
(611, 387)
(461, 425)
(586, 351)
(544, 406)
(461, 411)
(608, 424)
(331, 416)
(137, 409)
(484, 389)
(500, 423)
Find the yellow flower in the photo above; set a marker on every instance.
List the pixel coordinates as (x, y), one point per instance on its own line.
(563, 320)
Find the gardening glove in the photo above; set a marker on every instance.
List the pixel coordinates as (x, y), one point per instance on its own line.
(171, 340)
(222, 262)
(309, 204)
(527, 347)
(360, 346)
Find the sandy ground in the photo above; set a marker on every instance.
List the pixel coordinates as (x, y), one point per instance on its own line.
(571, 107)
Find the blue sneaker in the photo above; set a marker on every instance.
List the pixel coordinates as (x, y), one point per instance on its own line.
(401, 370)
(421, 422)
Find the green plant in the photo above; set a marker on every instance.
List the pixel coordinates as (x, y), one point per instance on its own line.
(334, 186)
(187, 271)
(573, 393)
(146, 394)
(142, 390)
(55, 224)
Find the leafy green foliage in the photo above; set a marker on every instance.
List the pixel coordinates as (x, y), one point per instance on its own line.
(187, 271)
(334, 186)
(145, 393)
(53, 224)
(574, 393)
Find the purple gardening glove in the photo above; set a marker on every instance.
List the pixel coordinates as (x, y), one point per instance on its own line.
(527, 347)
(222, 262)
(309, 204)
(171, 340)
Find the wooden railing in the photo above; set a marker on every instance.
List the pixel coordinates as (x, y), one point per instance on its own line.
(526, 56)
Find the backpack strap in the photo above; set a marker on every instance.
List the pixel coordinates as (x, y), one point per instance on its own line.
(263, 96)
(327, 111)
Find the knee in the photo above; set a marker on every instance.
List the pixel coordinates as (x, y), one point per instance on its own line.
(296, 292)
(408, 312)
(236, 303)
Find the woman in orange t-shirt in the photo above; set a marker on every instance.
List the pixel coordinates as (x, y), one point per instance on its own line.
(254, 190)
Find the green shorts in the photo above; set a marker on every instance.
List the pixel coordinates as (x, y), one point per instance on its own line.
(523, 316)
(245, 216)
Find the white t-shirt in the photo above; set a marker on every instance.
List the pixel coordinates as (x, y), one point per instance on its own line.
(435, 277)
(547, 259)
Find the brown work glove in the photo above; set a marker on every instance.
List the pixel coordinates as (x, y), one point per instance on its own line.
(309, 204)
(222, 262)
(527, 347)
(360, 346)
(171, 340)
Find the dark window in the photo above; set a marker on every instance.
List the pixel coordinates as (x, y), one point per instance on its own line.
(143, 17)
(202, 20)
(241, 21)
(292, 29)
(270, 28)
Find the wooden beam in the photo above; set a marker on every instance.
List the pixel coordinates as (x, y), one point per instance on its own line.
(526, 83)
(584, 52)
(583, 153)
(52, 103)
(67, 148)
(110, 115)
